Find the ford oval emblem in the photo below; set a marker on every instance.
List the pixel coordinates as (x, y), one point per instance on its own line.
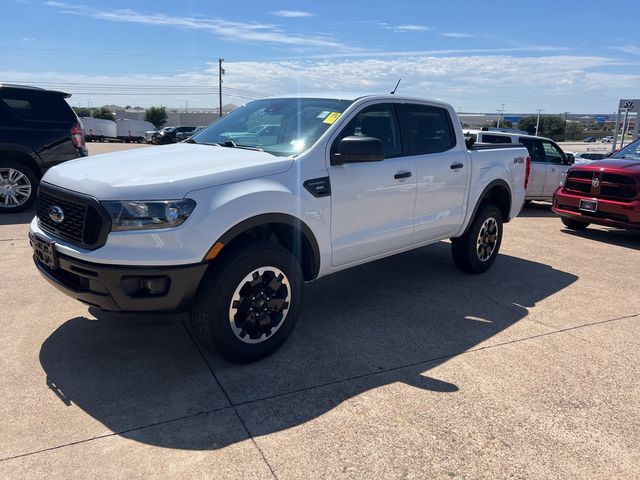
(595, 182)
(56, 214)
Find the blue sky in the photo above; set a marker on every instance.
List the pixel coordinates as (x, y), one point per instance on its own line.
(557, 56)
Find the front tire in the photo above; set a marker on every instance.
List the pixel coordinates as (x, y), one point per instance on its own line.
(249, 302)
(18, 187)
(477, 249)
(574, 224)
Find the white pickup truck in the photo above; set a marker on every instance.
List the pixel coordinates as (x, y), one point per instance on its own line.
(229, 225)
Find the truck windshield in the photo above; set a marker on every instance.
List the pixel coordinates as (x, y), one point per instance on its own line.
(280, 126)
(631, 151)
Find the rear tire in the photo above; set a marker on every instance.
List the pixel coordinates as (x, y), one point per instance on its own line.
(574, 224)
(249, 302)
(477, 249)
(18, 186)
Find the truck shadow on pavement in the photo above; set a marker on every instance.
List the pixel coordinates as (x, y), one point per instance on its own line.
(381, 323)
(537, 210)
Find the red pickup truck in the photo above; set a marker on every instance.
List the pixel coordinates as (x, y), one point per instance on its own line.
(604, 192)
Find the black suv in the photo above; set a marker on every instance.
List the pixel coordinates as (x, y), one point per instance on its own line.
(173, 134)
(38, 130)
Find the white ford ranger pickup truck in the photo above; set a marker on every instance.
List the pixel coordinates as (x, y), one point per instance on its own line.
(230, 224)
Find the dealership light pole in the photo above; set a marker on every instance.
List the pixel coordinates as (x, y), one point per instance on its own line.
(220, 73)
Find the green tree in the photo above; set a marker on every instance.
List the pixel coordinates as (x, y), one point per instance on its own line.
(104, 113)
(574, 131)
(503, 123)
(156, 115)
(82, 111)
(551, 126)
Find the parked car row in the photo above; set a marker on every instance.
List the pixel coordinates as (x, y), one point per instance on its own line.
(170, 134)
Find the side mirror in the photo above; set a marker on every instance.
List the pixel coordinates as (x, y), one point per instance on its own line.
(570, 159)
(469, 142)
(355, 149)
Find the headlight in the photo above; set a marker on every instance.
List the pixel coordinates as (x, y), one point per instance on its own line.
(141, 215)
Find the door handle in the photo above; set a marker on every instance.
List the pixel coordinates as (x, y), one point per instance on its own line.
(457, 166)
(400, 175)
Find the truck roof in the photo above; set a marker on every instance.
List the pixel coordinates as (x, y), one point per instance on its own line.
(353, 96)
(467, 131)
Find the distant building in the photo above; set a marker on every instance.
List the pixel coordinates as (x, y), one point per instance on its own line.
(191, 117)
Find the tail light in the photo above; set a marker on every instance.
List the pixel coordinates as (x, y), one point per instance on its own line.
(77, 135)
(527, 172)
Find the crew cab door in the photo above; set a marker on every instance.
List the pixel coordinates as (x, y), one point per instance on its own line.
(538, 172)
(556, 165)
(443, 171)
(372, 203)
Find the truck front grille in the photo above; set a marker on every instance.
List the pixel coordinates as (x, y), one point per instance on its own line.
(610, 186)
(85, 222)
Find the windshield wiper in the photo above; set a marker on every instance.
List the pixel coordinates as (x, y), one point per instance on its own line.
(231, 144)
(190, 140)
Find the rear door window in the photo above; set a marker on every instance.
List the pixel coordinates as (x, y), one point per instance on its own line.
(536, 152)
(38, 108)
(429, 129)
(488, 138)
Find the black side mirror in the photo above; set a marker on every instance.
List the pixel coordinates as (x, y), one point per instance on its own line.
(469, 142)
(570, 159)
(354, 149)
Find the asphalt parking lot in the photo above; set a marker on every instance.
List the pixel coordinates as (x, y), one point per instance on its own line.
(401, 368)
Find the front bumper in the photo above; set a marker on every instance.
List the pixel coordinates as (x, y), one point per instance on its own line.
(125, 288)
(610, 213)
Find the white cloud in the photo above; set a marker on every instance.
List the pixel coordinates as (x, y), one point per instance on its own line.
(632, 49)
(456, 35)
(292, 14)
(228, 29)
(474, 82)
(449, 51)
(406, 28)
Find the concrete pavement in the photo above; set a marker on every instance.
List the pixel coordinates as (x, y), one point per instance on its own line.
(402, 368)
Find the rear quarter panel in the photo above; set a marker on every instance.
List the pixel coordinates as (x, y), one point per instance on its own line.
(489, 165)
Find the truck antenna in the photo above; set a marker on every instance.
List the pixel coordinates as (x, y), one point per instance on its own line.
(396, 87)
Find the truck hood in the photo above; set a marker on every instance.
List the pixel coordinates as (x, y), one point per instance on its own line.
(166, 172)
(629, 166)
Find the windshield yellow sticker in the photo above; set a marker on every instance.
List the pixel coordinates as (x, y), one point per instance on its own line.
(332, 117)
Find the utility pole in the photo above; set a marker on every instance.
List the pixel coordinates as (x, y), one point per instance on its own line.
(500, 112)
(564, 129)
(538, 121)
(220, 73)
